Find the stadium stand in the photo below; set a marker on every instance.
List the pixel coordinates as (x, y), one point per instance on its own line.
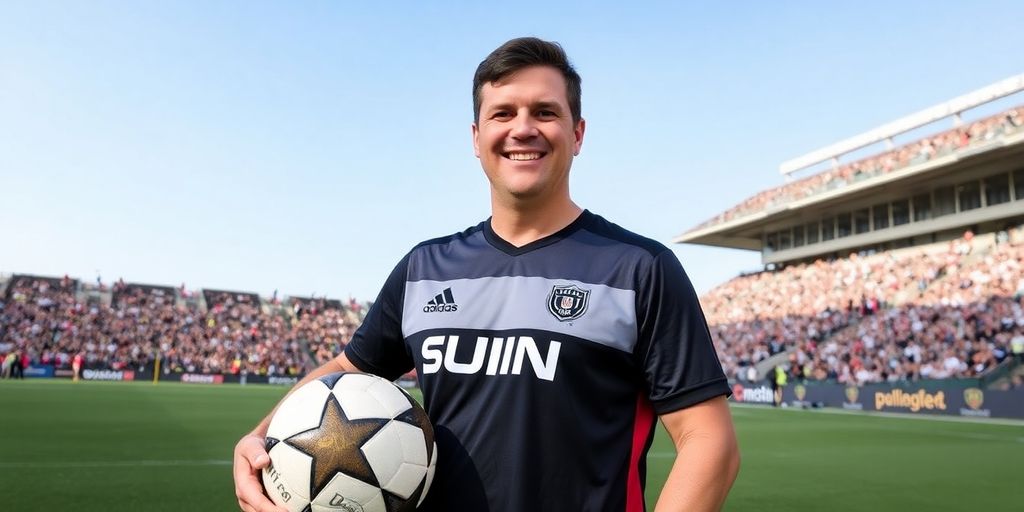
(52, 319)
(939, 311)
(904, 265)
(958, 140)
(325, 324)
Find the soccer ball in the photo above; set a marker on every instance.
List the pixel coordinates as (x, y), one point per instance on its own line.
(350, 442)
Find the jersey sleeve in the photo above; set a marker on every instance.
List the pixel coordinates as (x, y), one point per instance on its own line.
(674, 348)
(378, 347)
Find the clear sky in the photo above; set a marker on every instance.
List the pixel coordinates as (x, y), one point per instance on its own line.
(306, 146)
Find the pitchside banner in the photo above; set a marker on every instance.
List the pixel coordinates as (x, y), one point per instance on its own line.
(933, 398)
(48, 371)
(202, 378)
(753, 394)
(39, 371)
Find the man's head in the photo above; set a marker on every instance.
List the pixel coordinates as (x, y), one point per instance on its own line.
(527, 123)
(524, 52)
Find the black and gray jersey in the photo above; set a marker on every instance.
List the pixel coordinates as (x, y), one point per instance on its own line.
(542, 367)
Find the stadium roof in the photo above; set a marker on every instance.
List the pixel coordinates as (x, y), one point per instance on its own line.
(746, 229)
(953, 107)
(745, 225)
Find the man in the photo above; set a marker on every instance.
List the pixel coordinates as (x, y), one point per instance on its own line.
(76, 366)
(545, 338)
(778, 381)
(20, 363)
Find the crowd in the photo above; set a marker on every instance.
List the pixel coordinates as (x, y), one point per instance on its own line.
(949, 310)
(34, 309)
(917, 152)
(45, 321)
(327, 329)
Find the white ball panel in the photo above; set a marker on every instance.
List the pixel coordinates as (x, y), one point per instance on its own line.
(300, 411)
(287, 478)
(393, 399)
(377, 504)
(355, 401)
(359, 381)
(384, 452)
(360, 405)
(368, 396)
(406, 480)
(398, 457)
(345, 490)
(430, 475)
(414, 448)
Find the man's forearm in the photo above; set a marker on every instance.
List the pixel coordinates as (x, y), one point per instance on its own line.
(707, 457)
(702, 474)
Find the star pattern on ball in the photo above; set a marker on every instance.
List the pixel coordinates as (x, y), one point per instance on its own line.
(330, 442)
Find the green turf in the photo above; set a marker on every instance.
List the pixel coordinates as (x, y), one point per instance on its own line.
(137, 447)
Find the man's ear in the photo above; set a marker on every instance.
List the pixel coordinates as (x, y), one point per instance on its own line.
(476, 140)
(581, 127)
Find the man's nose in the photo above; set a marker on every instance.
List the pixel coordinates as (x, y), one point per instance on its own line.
(524, 126)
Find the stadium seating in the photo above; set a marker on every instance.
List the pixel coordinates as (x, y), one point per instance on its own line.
(223, 332)
(948, 310)
(964, 138)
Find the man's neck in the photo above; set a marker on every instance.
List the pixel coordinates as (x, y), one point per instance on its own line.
(520, 224)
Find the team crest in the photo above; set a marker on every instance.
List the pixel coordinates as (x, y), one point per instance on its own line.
(974, 397)
(800, 391)
(568, 302)
(851, 394)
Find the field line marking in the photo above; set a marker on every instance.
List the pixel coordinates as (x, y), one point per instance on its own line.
(910, 416)
(112, 464)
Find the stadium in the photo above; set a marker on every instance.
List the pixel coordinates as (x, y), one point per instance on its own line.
(899, 266)
(202, 203)
(892, 283)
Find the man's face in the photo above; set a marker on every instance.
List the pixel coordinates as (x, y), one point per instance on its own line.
(525, 138)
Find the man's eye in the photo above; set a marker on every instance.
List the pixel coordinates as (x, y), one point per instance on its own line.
(501, 115)
(546, 113)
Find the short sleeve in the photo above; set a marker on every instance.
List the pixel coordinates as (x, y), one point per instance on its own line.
(674, 348)
(378, 347)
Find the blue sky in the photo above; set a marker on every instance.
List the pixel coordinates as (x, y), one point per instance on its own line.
(306, 146)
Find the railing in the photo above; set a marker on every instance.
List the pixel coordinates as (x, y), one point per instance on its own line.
(1001, 371)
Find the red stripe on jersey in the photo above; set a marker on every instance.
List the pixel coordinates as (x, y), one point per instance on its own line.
(641, 432)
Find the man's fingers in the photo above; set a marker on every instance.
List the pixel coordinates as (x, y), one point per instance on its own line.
(258, 458)
(251, 448)
(250, 458)
(269, 508)
(251, 498)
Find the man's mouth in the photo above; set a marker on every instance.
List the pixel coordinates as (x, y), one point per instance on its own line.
(521, 156)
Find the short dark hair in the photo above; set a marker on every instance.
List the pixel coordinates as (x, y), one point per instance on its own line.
(524, 52)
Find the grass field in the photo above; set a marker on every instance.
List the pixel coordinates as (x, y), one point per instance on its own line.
(95, 446)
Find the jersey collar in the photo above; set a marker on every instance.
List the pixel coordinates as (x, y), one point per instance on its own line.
(504, 246)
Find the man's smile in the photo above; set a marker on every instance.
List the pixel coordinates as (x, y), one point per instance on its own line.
(523, 155)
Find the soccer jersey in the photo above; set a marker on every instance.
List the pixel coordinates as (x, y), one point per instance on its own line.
(543, 366)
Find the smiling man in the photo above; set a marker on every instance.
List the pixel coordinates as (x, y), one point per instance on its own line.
(546, 339)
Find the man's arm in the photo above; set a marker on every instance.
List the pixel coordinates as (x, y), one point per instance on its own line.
(707, 457)
(251, 456)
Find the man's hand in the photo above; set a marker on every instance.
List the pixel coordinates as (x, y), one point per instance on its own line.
(250, 459)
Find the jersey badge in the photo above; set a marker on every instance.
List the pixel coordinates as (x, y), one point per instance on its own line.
(568, 302)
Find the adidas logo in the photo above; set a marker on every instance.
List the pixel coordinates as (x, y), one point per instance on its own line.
(443, 302)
